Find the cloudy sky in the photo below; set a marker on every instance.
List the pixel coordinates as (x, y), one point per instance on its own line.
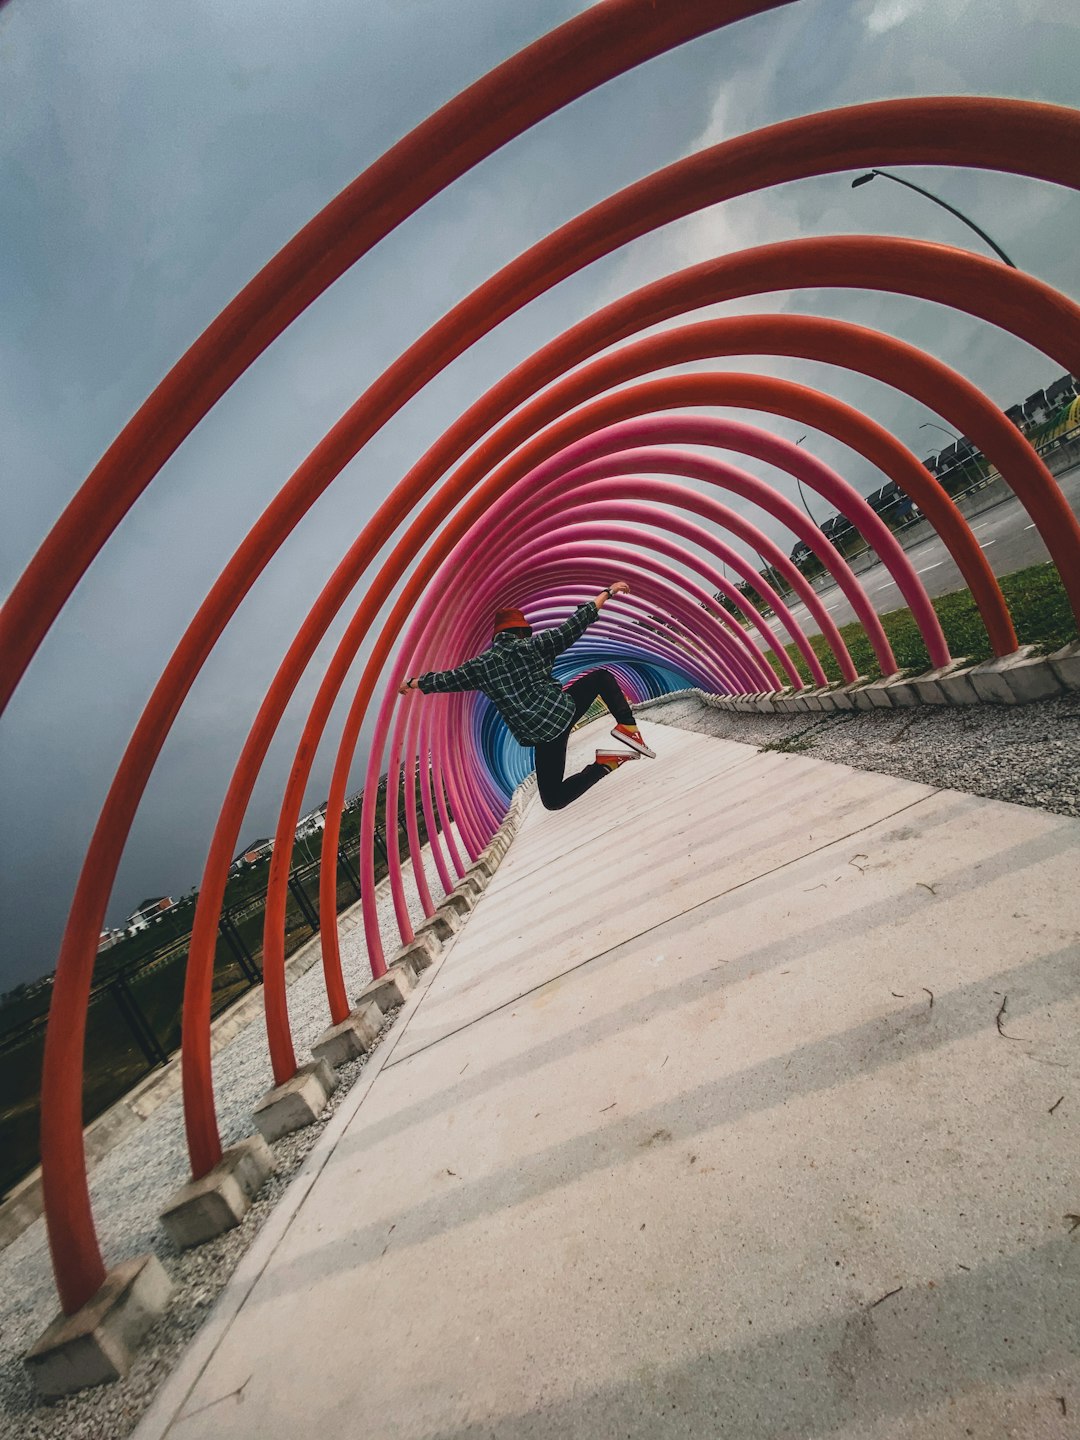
(153, 157)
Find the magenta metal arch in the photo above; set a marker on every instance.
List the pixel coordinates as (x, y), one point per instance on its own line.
(546, 580)
(488, 541)
(749, 440)
(553, 507)
(552, 515)
(642, 571)
(603, 458)
(675, 645)
(431, 643)
(710, 672)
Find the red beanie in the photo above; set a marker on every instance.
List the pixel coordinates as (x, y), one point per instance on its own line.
(510, 620)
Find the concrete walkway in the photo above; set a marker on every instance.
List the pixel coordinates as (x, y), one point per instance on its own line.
(705, 1126)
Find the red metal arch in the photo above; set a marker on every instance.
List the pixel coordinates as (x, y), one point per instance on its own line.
(237, 579)
(608, 39)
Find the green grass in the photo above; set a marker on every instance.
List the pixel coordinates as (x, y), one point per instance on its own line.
(1035, 597)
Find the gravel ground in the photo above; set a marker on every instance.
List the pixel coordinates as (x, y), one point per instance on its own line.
(1027, 754)
(130, 1187)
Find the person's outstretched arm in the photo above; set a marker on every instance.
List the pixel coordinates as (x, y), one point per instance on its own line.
(550, 643)
(466, 676)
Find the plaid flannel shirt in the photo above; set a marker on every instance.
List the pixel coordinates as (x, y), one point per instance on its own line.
(515, 674)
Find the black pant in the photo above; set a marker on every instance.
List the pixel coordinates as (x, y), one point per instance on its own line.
(555, 792)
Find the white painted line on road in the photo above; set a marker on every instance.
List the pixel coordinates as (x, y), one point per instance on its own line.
(988, 542)
(1029, 527)
(930, 567)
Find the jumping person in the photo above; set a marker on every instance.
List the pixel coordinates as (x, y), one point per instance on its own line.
(515, 674)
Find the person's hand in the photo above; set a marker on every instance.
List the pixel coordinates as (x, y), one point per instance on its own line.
(406, 686)
(618, 587)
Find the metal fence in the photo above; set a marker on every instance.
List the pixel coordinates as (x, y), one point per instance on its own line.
(967, 477)
(133, 1023)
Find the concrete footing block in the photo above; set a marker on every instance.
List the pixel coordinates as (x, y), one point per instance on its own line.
(296, 1103)
(219, 1200)
(471, 885)
(990, 679)
(441, 925)
(98, 1343)
(1033, 679)
(768, 704)
(459, 903)
(957, 688)
(1065, 664)
(390, 989)
(354, 1036)
(876, 696)
(422, 950)
(843, 697)
(928, 686)
(811, 699)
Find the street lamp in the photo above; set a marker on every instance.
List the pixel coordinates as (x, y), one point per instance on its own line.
(865, 180)
(932, 425)
(802, 496)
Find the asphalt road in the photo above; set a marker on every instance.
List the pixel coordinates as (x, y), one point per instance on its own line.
(1005, 533)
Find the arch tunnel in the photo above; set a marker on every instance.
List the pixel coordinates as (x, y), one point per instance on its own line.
(581, 465)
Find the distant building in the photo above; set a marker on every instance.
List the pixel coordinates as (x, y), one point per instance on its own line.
(1061, 391)
(108, 938)
(251, 854)
(311, 824)
(148, 910)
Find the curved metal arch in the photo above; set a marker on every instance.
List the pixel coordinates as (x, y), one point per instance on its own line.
(833, 417)
(1039, 141)
(71, 1225)
(542, 580)
(391, 720)
(801, 317)
(425, 619)
(62, 1141)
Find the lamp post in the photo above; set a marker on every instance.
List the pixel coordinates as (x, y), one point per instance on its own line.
(865, 180)
(802, 496)
(932, 425)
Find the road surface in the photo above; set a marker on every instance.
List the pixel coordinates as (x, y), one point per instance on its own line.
(1006, 533)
